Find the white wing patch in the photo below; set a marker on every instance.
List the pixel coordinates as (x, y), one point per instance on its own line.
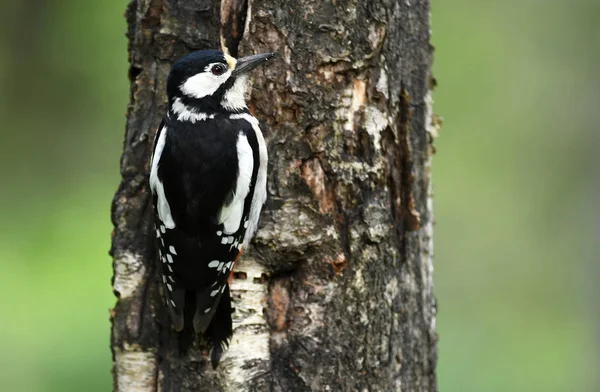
(260, 189)
(156, 186)
(231, 214)
(234, 98)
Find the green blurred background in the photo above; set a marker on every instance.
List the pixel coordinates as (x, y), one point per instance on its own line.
(516, 192)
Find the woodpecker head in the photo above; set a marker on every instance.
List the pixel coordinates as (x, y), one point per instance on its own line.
(211, 81)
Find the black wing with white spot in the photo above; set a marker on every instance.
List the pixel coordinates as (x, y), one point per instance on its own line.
(184, 269)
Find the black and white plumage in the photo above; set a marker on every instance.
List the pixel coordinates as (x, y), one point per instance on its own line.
(208, 180)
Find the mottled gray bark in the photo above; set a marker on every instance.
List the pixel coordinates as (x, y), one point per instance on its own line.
(336, 292)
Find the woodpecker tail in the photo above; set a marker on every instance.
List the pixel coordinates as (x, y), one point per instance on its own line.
(220, 329)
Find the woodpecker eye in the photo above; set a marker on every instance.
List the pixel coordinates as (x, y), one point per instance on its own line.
(218, 69)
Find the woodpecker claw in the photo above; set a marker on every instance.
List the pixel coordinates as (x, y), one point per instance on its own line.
(230, 279)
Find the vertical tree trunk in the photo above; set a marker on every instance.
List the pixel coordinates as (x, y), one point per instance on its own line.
(336, 293)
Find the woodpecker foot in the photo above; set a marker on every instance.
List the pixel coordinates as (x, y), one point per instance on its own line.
(233, 266)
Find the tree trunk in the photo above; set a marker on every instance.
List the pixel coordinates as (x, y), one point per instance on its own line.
(336, 292)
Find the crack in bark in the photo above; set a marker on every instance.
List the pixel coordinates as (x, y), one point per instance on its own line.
(400, 178)
(233, 22)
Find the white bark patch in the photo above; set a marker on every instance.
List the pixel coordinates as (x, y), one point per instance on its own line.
(433, 127)
(355, 99)
(248, 18)
(330, 231)
(376, 122)
(426, 236)
(248, 354)
(382, 83)
(315, 312)
(391, 290)
(359, 96)
(129, 274)
(135, 368)
(359, 281)
(376, 35)
(351, 100)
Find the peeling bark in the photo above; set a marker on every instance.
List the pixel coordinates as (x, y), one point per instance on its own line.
(336, 292)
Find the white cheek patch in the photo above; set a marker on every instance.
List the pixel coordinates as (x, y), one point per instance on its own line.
(204, 83)
(234, 98)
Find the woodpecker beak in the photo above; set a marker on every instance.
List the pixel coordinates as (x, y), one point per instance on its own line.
(247, 64)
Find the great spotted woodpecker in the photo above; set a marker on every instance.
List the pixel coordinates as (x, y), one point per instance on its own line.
(208, 180)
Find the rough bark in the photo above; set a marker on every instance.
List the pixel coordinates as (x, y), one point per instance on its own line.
(336, 292)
